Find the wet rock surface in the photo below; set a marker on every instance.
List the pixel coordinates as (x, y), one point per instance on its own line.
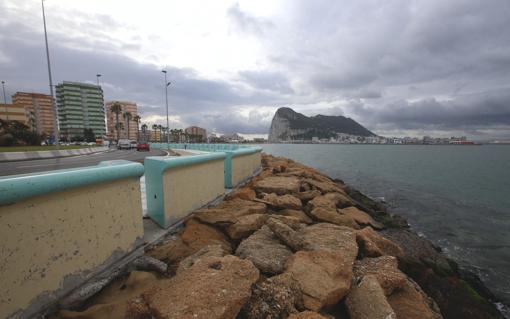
(291, 244)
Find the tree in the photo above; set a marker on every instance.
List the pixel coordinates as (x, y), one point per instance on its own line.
(127, 118)
(116, 109)
(88, 135)
(154, 128)
(137, 119)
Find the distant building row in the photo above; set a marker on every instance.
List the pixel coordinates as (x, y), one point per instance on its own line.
(80, 106)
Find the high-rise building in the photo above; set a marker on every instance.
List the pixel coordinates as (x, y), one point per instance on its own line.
(80, 106)
(14, 112)
(125, 107)
(197, 134)
(39, 110)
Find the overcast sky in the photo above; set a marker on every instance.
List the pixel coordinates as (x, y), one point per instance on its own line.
(398, 67)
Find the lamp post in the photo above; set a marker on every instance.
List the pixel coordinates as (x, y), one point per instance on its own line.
(55, 110)
(166, 101)
(5, 102)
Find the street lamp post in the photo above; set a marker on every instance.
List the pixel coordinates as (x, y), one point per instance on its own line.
(5, 102)
(166, 101)
(55, 110)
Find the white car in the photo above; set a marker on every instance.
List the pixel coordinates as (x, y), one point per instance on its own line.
(124, 144)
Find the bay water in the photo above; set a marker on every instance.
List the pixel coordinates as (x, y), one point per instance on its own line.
(456, 196)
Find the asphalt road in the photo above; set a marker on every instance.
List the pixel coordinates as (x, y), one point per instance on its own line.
(24, 167)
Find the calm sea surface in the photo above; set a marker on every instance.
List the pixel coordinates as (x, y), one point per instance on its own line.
(456, 196)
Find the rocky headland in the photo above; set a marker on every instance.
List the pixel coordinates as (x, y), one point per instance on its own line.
(292, 243)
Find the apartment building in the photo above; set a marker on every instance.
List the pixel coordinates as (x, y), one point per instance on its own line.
(196, 131)
(126, 107)
(14, 112)
(80, 106)
(39, 111)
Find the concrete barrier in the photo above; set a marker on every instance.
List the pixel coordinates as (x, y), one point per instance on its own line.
(60, 228)
(26, 156)
(241, 161)
(178, 185)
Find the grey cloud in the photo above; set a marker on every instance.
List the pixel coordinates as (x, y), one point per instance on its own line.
(246, 22)
(272, 81)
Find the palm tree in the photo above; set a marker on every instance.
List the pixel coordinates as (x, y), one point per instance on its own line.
(116, 109)
(127, 118)
(137, 119)
(154, 128)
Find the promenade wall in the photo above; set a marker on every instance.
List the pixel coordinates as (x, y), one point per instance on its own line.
(59, 229)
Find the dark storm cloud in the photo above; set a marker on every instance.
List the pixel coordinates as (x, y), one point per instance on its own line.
(272, 81)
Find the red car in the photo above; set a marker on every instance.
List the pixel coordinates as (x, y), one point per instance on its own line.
(142, 146)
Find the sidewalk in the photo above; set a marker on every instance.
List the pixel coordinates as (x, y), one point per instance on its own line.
(25, 156)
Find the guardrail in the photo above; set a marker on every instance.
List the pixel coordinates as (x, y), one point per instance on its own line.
(241, 161)
(60, 228)
(176, 186)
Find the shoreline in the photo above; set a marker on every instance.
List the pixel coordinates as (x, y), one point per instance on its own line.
(232, 233)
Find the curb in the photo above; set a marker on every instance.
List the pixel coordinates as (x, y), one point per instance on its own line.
(27, 156)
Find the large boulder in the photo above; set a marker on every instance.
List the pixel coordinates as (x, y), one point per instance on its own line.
(207, 251)
(228, 212)
(374, 245)
(330, 215)
(278, 184)
(366, 300)
(411, 302)
(325, 276)
(283, 201)
(212, 288)
(385, 269)
(360, 217)
(308, 195)
(325, 186)
(191, 239)
(266, 252)
(246, 225)
(285, 233)
(245, 193)
(276, 297)
(329, 201)
(299, 214)
(325, 236)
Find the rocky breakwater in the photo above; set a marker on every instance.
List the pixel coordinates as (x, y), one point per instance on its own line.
(293, 243)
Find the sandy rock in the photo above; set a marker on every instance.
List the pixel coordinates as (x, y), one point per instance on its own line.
(212, 288)
(325, 236)
(410, 302)
(307, 315)
(307, 195)
(246, 225)
(299, 214)
(330, 215)
(291, 221)
(329, 201)
(245, 193)
(207, 251)
(276, 297)
(385, 269)
(112, 301)
(325, 186)
(325, 276)
(285, 233)
(228, 212)
(265, 250)
(197, 235)
(374, 245)
(360, 217)
(366, 300)
(284, 201)
(147, 263)
(279, 185)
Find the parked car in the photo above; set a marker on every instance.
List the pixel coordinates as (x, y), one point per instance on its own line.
(143, 146)
(133, 144)
(124, 144)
